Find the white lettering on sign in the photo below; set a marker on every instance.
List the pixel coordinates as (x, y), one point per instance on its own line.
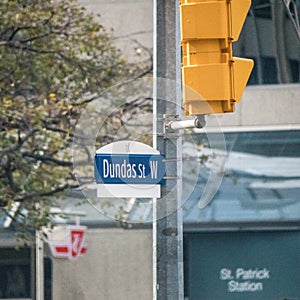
(126, 170)
(141, 169)
(244, 280)
(247, 286)
(153, 168)
(123, 170)
(252, 274)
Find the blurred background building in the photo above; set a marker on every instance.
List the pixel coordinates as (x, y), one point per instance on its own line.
(253, 220)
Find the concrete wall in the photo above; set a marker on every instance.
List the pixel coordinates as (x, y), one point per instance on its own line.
(263, 106)
(118, 265)
(131, 21)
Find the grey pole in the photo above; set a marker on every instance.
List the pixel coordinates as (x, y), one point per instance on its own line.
(167, 228)
(39, 245)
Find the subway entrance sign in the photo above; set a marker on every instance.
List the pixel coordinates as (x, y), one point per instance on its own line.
(129, 169)
(249, 265)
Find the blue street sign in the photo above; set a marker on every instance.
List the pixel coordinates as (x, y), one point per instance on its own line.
(129, 168)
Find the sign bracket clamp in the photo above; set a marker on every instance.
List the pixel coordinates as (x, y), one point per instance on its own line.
(173, 123)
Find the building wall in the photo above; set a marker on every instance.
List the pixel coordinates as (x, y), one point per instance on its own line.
(264, 106)
(131, 24)
(118, 265)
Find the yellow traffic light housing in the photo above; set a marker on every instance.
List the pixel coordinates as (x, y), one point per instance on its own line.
(210, 73)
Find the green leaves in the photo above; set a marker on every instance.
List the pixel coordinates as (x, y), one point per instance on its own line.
(52, 56)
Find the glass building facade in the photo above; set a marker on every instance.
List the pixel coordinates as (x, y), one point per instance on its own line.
(271, 37)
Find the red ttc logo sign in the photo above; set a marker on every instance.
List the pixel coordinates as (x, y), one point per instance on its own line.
(74, 244)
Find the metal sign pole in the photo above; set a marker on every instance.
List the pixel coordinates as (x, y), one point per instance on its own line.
(167, 224)
(39, 246)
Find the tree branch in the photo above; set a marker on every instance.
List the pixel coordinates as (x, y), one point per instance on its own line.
(44, 194)
(48, 159)
(22, 46)
(17, 145)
